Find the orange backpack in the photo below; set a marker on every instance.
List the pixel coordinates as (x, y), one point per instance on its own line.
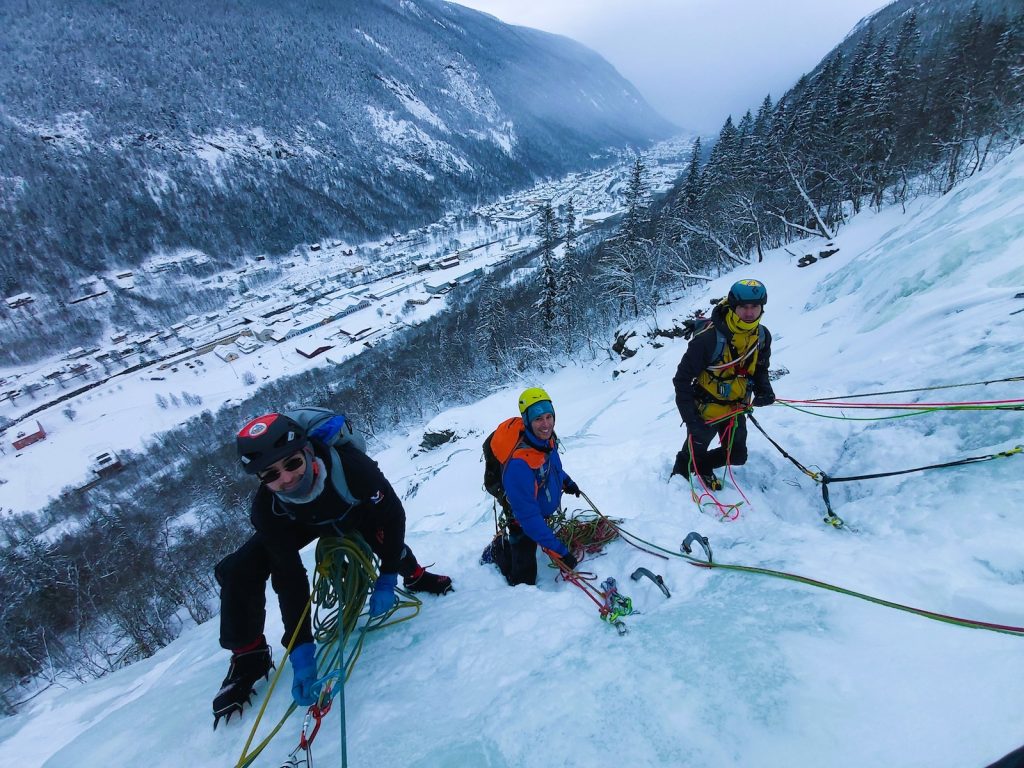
(498, 449)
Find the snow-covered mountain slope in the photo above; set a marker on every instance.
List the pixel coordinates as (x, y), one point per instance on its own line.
(734, 669)
(132, 130)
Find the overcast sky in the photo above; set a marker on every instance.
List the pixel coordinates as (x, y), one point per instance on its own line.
(697, 61)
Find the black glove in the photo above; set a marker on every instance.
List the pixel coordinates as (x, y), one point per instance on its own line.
(762, 399)
(689, 326)
(569, 486)
(569, 561)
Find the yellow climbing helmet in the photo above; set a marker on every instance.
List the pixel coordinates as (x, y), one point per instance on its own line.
(531, 396)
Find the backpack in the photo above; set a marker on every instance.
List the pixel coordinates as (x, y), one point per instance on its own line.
(333, 430)
(498, 449)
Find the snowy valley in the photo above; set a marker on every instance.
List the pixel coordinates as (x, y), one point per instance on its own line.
(734, 669)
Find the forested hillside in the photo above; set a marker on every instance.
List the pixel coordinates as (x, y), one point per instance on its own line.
(133, 129)
(898, 115)
(895, 119)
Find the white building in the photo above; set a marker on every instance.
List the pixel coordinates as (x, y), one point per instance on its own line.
(227, 352)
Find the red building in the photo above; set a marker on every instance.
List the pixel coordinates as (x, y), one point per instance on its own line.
(25, 439)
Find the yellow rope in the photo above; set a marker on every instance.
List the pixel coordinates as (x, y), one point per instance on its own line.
(345, 574)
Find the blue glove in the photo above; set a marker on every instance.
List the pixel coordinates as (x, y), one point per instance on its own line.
(383, 597)
(305, 687)
(328, 431)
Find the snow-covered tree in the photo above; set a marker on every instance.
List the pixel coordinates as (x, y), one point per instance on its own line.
(570, 281)
(548, 233)
(637, 200)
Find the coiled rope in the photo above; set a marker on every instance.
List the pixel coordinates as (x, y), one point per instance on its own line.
(345, 574)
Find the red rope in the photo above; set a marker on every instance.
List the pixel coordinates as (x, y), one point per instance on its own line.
(728, 466)
(579, 578)
(730, 512)
(845, 404)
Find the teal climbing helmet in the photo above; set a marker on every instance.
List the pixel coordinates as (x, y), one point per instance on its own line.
(748, 292)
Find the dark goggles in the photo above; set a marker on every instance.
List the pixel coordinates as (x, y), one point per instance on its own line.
(290, 465)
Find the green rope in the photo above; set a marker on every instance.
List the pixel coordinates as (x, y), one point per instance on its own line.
(246, 758)
(920, 412)
(724, 510)
(584, 532)
(921, 389)
(345, 574)
(961, 622)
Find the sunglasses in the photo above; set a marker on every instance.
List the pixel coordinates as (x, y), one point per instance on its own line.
(290, 465)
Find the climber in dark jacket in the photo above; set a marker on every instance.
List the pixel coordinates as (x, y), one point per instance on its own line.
(725, 365)
(308, 489)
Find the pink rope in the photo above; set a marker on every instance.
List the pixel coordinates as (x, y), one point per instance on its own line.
(842, 404)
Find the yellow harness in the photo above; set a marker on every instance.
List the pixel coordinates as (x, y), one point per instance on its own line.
(723, 385)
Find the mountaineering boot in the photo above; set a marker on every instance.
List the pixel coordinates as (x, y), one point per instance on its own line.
(422, 580)
(246, 668)
(682, 465)
(711, 482)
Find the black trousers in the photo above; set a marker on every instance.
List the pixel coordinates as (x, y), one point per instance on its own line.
(243, 575)
(515, 554)
(706, 460)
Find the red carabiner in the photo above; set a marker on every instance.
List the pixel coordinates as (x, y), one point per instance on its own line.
(317, 712)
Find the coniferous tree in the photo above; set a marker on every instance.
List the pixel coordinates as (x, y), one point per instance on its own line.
(636, 201)
(548, 233)
(880, 116)
(570, 281)
(904, 83)
(851, 104)
(718, 175)
(692, 188)
(625, 264)
(492, 323)
(958, 100)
